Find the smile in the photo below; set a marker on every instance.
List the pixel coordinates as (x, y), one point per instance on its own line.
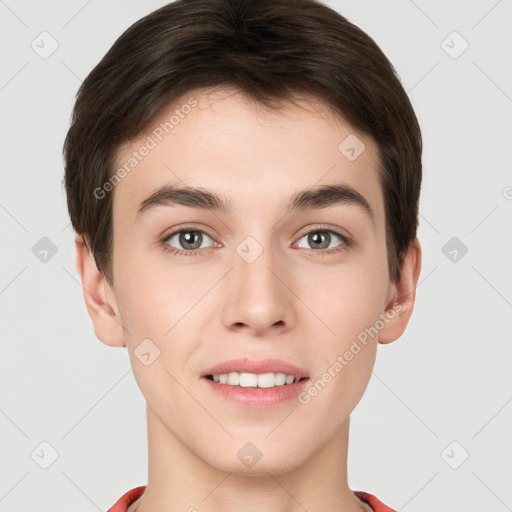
(254, 380)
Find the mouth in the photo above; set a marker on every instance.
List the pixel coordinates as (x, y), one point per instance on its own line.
(256, 390)
(255, 380)
(246, 373)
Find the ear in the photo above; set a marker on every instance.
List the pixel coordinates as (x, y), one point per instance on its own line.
(403, 294)
(99, 296)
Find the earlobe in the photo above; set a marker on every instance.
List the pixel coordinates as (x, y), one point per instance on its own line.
(399, 309)
(101, 304)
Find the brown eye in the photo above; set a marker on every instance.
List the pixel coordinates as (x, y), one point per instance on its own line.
(321, 239)
(187, 240)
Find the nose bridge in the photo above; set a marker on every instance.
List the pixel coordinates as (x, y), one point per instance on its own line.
(257, 295)
(253, 276)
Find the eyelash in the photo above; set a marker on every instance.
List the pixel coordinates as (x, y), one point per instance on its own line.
(347, 243)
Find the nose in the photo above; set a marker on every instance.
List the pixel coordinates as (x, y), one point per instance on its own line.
(258, 295)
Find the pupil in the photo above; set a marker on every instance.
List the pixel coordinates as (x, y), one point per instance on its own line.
(315, 238)
(188, 238)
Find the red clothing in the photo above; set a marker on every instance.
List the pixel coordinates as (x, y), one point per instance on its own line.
(375, 503)
(127, 499)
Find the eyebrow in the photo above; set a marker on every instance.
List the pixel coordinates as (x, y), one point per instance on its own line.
(198, 197)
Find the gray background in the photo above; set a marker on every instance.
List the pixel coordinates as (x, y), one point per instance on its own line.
(440, 393)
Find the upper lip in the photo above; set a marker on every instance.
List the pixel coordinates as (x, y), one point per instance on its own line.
(256, 366)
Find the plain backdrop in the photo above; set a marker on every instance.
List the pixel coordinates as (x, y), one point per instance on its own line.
(432, 431)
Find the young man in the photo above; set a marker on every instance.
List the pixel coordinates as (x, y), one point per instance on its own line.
(244, 178)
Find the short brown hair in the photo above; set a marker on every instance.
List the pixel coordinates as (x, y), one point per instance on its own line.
(269, 50)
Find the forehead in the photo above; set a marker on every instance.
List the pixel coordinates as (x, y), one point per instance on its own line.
(252, 155)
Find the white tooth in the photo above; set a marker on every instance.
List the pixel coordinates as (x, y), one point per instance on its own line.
(248, 380)
(233, 378)
(266, 380)
(280, 379)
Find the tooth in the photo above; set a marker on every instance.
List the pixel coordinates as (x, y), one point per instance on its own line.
(266, 380)
(234, 378)
(248, 380)
(262, 380)
(280, 379)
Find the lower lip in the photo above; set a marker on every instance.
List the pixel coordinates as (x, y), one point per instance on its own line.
(258, 397)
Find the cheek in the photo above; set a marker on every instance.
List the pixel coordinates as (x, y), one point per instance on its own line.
(152, 296)
(344, 300)
(346, 349)
(349, 344)
(159, 317)
(347, 304)
(160, 306)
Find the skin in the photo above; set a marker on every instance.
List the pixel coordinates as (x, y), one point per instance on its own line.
(291, 303)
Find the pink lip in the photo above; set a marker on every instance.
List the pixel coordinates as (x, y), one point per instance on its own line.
(257, 398)
(256, 366)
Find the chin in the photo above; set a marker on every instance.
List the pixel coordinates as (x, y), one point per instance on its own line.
(275, 461)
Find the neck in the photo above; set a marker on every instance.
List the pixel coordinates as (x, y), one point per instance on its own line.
(179, 480)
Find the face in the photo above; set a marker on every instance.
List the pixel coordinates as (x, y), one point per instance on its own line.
(263, 278)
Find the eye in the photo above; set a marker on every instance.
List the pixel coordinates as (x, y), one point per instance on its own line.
(189, 242)
(321, 239)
